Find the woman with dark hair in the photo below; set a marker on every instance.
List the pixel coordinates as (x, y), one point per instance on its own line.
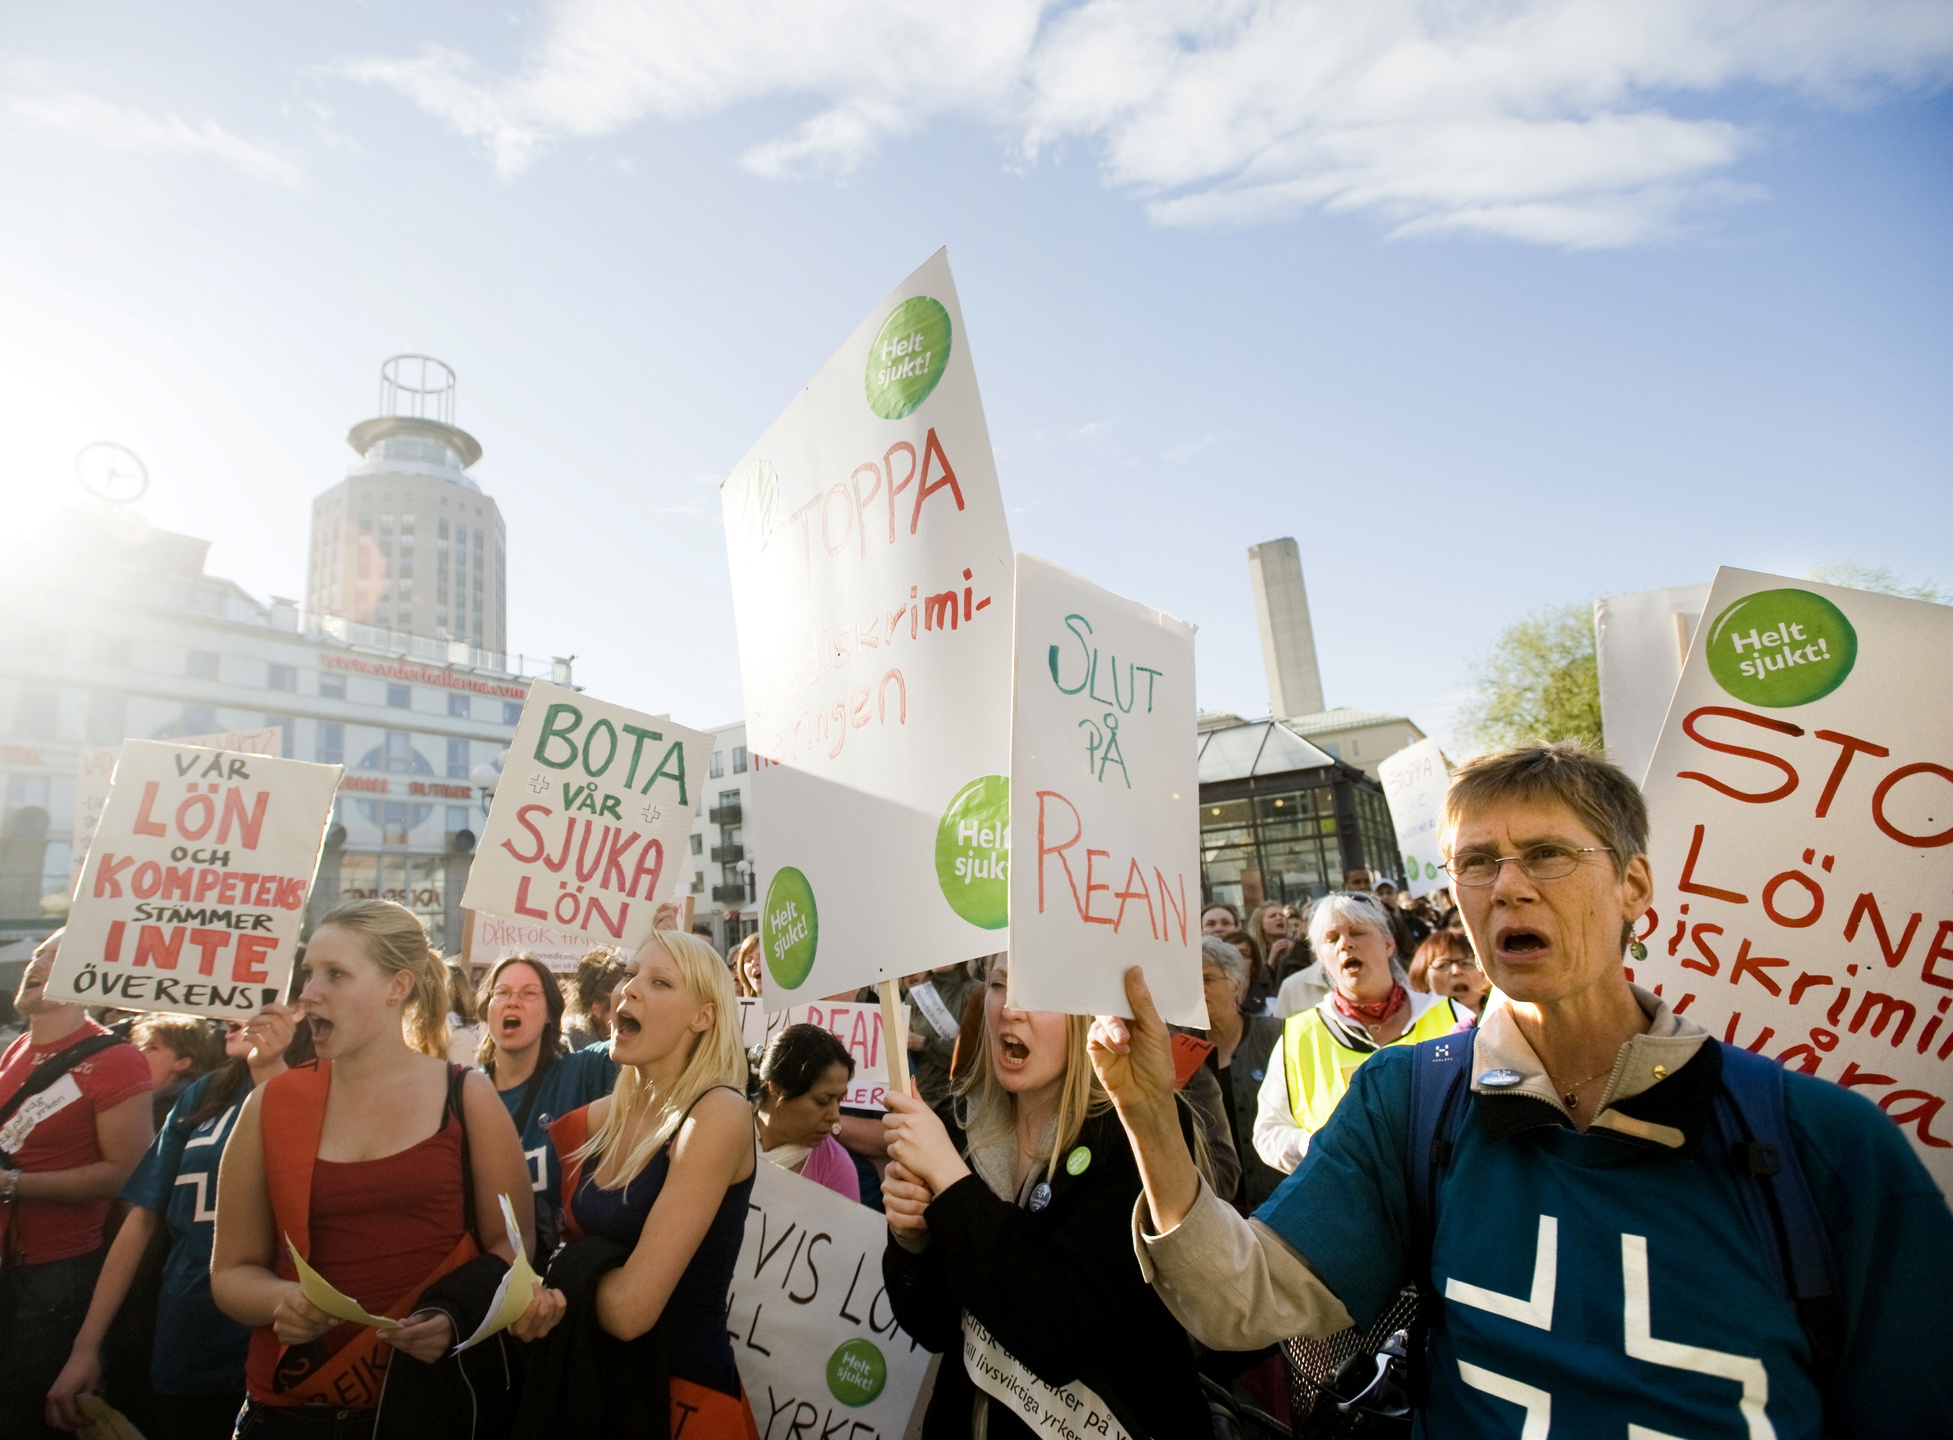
(598, 974)
(538, 1077)
(196, 1368)
(797, 1109)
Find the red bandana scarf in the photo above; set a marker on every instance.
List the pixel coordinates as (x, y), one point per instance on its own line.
(1373, 1012)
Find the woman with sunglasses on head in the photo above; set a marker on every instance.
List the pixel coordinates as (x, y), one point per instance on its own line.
(537, 1075)
(1369, 1006)
(196, 1373)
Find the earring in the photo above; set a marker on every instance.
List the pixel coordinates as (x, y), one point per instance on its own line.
(1638, 951)
(835, 1129)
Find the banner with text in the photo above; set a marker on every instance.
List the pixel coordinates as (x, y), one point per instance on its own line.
(1414, 782)
(591, 818)
(859, 1027)
(1104, 774)
(871, 583)
(196, 883)
(490, 937)
(1800, 832)
(97, 769)
(818, 1347)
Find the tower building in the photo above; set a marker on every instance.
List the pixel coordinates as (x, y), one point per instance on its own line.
(407, 544)
(1288, 642)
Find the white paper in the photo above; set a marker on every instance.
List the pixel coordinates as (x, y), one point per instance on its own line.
(512, 1296)
(197, 881)
(592, 818)
(1804, 882)
(1640, 642)
(871, 582)
(1105, 801)
(1414, 782)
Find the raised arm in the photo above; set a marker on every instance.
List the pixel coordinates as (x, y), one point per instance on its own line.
(714, 1151)
(1134, 1060)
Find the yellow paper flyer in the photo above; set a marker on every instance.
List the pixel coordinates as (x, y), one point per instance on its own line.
(319, 1291)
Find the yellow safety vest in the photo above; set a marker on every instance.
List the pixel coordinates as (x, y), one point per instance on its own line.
(1319, 1065)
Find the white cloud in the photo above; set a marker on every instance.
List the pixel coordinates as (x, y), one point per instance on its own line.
(31, 105)
(1554, 121)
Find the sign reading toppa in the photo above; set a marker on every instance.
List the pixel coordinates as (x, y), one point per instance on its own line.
(592, 803)
(196, 882)
(1105, 812)
(871, 572)
(1801, 809)
(1414, 782)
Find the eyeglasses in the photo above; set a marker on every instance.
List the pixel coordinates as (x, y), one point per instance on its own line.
(1541, 862)
(531, 996)
(1455, 962)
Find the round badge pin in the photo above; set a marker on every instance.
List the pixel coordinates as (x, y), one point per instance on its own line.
(1076, 1162)
(1040, 1196)
(1500, 1079)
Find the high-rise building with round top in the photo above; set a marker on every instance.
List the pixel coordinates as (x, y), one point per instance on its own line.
(407, 544)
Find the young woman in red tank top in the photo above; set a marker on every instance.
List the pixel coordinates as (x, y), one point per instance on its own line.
(358, 1160)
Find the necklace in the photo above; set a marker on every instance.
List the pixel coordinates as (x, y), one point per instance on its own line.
(1570, 1096)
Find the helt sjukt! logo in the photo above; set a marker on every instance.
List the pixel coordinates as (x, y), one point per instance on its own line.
(857, 1372)
(908, 357)
(973, 852)
(1779, 648)
(790, 928)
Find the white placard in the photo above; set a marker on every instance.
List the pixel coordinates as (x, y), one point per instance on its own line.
(1105, 812)
(871, 582)
(818, 1348)
(592, 818)
(96, 769)
(1801, 800)
(859, 1027)
(196, 883)
(490, 937)
(1640, 642)
(1414, 782)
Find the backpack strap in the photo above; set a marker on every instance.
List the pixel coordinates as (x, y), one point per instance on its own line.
(1440, 1069)
(54, 1067)
(1776, 1197)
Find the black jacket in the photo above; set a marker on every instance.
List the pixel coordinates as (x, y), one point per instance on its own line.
(469, 1396)
(581, 1379)
(1060, 1289)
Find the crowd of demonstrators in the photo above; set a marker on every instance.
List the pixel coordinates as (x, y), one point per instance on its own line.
(180, 1050)
(1009, 1218)
(1369, 1007)
(74, 1122)
(379, 1163)
(1589, 1162)
(538, 1077)
(195, 1376)
(655, 1195)
(797, 1107)
(1446, 965)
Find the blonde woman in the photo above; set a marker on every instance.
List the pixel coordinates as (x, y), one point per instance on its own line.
(1011, 1240)
(366, 1160)
(656, 1179)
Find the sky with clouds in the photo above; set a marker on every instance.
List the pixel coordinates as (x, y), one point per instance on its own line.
(1492, 304)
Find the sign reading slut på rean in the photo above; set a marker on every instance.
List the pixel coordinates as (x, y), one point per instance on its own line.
(819, 1349)
(1801, 805)
(196, 881)
(1104, 768)
(871, 573)
(594, 804)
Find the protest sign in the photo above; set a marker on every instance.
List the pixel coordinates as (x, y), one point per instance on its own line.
(818, 1347)
(1414, 782)
(491, 937)
(871, 583)
(1800, 834)
(859, 1027)
(97, 768)
(1104, 775)
(196, 884)
(593, 801)
(1640, 642)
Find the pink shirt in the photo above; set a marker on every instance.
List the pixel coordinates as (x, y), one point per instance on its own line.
(829, 1164)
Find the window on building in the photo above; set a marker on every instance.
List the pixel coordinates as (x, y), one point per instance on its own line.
(113, 650)
(739, 759)
(201, 665)
(332, 687)
(331, 749)
(281, 677)
(717, 767)
(698, 843)
(457, 818)
(199, 719)
(511, 712)
(108, 719)
(289, 729)
(444, 524)
(399, 751)
(400, 697)
(458, 705)
(395, 819)
(457, 759)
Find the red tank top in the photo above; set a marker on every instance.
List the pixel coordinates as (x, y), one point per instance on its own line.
(378, 1226)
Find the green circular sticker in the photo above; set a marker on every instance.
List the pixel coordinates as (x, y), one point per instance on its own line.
(1076, 1162)
(856, 1373)
(908, 357)
(790, 928)
(1781, 647)
(973, 852)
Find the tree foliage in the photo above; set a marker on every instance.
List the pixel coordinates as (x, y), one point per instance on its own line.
(1539, 682)
(1880, 578)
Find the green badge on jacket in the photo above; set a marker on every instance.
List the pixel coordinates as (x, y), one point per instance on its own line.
(1076, 1162)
